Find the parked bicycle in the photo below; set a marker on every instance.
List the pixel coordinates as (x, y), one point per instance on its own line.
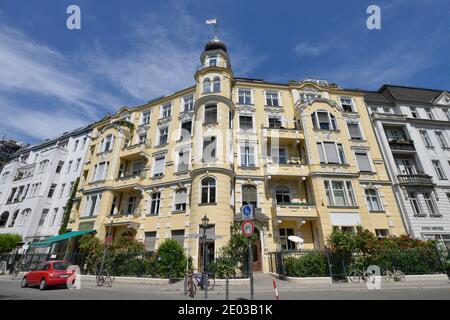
(356, 276)
(103, 278)
(202, 279)
(397, 275)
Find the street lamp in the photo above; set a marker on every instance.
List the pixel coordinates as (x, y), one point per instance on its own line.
(205, 222)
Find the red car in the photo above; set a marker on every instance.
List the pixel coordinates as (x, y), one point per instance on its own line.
(47, 274)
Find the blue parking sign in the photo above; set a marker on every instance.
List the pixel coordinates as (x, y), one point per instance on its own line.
(247, 212)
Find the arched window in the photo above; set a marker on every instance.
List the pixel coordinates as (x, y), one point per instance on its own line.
(283, 195)
(324, 120)
(249, 195)
(373, 200)
(180, 199)
(216, 84)
(43, 166)
(13, 219)
(206, 85)
(24, 216)
(4, 219)
(208, 190)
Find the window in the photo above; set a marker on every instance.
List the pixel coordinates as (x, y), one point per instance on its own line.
(286, 244)
(429, 113)
(186, 130)
(216, 84)
(354, 131)
(100, 171)
(25, 216)
(43, 217)
(279, 156)
(130, 205)
(155, 203)
(188, 103)
(54, 215)
(107, 143)
(282, 195)
(387, 110)
(373, 200)
(178, 236)
(330, 152)
(247, 155)
(183, 160)
(441, 139)
(347, 104)
(209, 149)
(381, 233)
(92, 204)
(158, 168)
(51, 191)
(249, 195)
(69, 166)
(426, 138)
(137, 167)
(142, 138)
(166, 110)
(274, 122)
(145, 117)
(413, 111)
(77, 165)
(447, 112)
(246, 123)
(208, 186)
(4, 219)
(84, 142)
(211, 114)
(212, 60)
(59, 167)
(180, 199)
(362, 158)
(244, 96)
(4, 177)
(272, 99)
(437, 167)
(75, 145)
(431, 205)
(150, 241)
(163, 135)
(414, 203)
(324, 120)
(61, 190)
(43, 166)
(339, 193)
(406, 166)
(206, 85)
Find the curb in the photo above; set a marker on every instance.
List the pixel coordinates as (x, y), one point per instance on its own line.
(427, 277)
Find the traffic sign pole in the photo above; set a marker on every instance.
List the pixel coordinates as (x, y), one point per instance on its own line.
(247, 229)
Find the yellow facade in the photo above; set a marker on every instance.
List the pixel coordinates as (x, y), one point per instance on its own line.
(263, 147)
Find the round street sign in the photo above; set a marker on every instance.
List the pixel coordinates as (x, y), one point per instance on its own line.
(247, 212)
(108, 240)
(248, 228)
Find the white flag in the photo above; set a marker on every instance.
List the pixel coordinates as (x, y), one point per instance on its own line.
(211, 21)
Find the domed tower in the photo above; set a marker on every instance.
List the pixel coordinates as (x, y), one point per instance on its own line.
(212, 151)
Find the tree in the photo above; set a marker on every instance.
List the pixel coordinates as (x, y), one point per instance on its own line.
(8, 242)
(170, 259)
(69, 205)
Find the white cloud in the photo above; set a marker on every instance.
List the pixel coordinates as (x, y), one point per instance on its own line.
(307, 49)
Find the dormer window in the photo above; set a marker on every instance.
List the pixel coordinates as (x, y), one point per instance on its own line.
(212, 60)
(324, 120)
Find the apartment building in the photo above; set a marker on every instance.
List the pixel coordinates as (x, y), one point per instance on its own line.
(303, 153)
(413, 129)
(36, 183)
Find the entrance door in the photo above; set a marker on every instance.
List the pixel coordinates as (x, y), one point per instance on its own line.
(256, 251)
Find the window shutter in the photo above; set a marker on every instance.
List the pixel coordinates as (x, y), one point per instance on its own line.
(363, 162)
(180, 196)
(159, 166)
(353, 128)
(330, 150)
(150, 241)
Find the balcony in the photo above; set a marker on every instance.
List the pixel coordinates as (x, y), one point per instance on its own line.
(130, 181)
(415, 180)
(402, 145)
(389, 116)
(295, 210)
(292, 167)
(135, 151)
(283, 133)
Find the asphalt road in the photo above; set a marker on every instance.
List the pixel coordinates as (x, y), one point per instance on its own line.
(435, 290)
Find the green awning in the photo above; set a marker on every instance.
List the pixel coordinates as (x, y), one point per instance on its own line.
(48, 242)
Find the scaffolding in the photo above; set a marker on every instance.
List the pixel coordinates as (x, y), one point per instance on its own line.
(7, 148)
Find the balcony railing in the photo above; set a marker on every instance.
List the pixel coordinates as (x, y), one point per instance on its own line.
(405, 144)
(415, 179)
(295, 210)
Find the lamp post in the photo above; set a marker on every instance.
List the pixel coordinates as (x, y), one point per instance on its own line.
(205, 222)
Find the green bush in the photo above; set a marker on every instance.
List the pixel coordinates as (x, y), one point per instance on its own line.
(223, 266)
(170, 259)
(311, 264)
(8, 242)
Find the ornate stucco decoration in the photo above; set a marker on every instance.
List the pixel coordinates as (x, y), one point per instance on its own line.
(443, 99)
(164, 121)
(245, 109)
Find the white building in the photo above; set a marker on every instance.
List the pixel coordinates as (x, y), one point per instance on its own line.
(413, 129)
(36, 183)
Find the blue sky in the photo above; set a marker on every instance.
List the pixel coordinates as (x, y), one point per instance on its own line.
(129, 52)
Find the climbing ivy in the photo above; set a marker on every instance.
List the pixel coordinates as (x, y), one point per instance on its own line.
(69, 204)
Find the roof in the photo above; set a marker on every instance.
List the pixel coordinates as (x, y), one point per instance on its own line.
(62, 237)
(389, 94)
